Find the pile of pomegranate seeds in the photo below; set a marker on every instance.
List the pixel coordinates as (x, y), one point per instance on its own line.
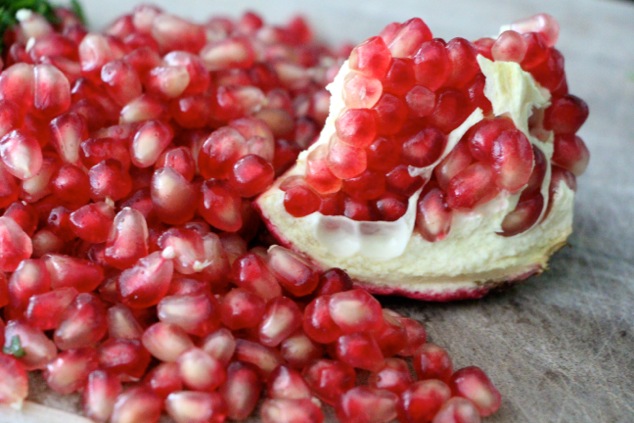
(405, 93)
(132, 267)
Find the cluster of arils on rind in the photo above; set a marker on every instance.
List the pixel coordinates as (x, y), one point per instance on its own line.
(129, 265)
(404, 94)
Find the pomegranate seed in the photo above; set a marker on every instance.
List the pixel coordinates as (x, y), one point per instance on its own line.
(137, 404)
(416, 335)
(372, 58)
(318, 323)
(264, 358)
(70, 272)
(383, 154)
(30, 278)
(408, 39)
(392, 336)
(166, 341)
(281, 318)
(360, 350)
(300, 200)
(172, 196)
(174, 33)
(142, 108)
(424, 148)
(367, 405)
(360, 91)
(356, 127)
(290, 410)
(28, 344)
(180, 159)
(571, 153)
(164, 379)
(191, 406)
(457, 410)
(100, 394)
(293, 273)
(318, 173)
(122, 324)
(421, 400)
(109, 180)
(395, 376)
(536, 50)
(355, 311)
(510, 46)
(251, 175)
(200, 371)
(432, 362)
(524, 216)
(399, 181)
(472, 383)
(69, 371)
(345, 161)
(94, 52)
(220, 206)
(543, 24)
(122, 80)
(512, 155)
(149, 141)
(433, 217)
(21, 154)
(196, 314)
(147, 282)
(95, 150)
(241, 309)
(15, 384)
(126, 358)
(482, 135)
(92, 222)
(472, 186)
(127, 241)
(253, 274)
(83, 324)
(298, 350)
(329, 379)
(287, 383)
(241, 390)
(220, 345)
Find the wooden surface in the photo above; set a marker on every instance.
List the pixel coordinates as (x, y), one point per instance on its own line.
(560, 346)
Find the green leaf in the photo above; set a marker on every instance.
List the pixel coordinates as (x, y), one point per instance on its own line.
(14, 348)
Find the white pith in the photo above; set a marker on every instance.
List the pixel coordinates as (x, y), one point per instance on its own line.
(391, 256)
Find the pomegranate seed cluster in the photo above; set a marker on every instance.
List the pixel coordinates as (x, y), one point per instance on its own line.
(132, 268)
(403, 96)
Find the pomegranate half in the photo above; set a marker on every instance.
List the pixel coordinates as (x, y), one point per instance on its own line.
(445, 168)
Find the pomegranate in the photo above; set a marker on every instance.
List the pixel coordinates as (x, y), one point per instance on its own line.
(438, 173)
(135, 270)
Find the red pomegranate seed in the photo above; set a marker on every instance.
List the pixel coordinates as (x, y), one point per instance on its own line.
(383, 154)
(290, 410)
(300, 200)
(109, 179)
(71, 186)
(470, 187)
(457, 410)
(147, 282)
(356, 127)
(94, 52)
(45, 310)
(392, 335)
(357, 209)
(464, 67)
(571, 153)
(122, 324)
(253, 274)
(219, 206)
(431, 64)
(251, 175)
(69, 371)
(9, 190)
(45, 241)
(433, 217)
(67, 132)
(95, 150)
(472, 383)
(100, 394)
(421, 400)
(395, 376)
(122, 80)
(28, 344)
(360, 350)
(21, 154)
(298, 350)
(329, 379)
(424, 148)
(137, 404)
(524, 216)
(543, 24)
(355, 311)
(265, 359)
(390, 115)
(30, 278)
(367, 405)
(126, 358)
(51, 95)
(241, 390)
(281, 318)
(345, 161)
(292, 272)
(318, 173)
(83, 324)
(164, 379)
(200, 371)
(360, 91)
(142, 108)
(287, 383)
(127, 241)
(92, 222)
(166, 341)
(220, 345)
(512, 162)
(70, 272)
(196, 314)
(192, 406)
(149, 141)
(241, 309)
(510, 46)
(408, 39)
(482, 135)
(15, 383)
(318, 323)
(372, 58)
(172, 196)
(432, 362)
(399, 181)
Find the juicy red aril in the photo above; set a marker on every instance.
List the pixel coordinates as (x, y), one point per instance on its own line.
(432, 362)
(368, 405)
(219, 206)
(288, 383)
(21, 154)
(301, 201)
(510, 46)
(371, 57)
(329, 379)
(200, 371)
(281, 318)
(289, 410)
(571, 153)
(196, 314)
(68, 372)
(241, 390)
(193, 406)
(83, 324)
(356, 127)
(45, 310)
(37, 348)
(421, 400)
(251, 175)
(400, 181)
(433, 217)
(100, 394)
(344, 160)
(164, 379)
(524, 216)
(126, 358)
(355, 311)
(293, 273)
(15, 386)
(470, 187)
(424, 148)
(512, 156)
(318, 173)
(472, 383)
(166, 341)
(395, 376)
(481, 136)
(407, 40)
(137, 404)
(360, 350)
(241, 309)
(457, 410)
(264, 359)
(147, 282)
(298, 350)
(252, 273)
